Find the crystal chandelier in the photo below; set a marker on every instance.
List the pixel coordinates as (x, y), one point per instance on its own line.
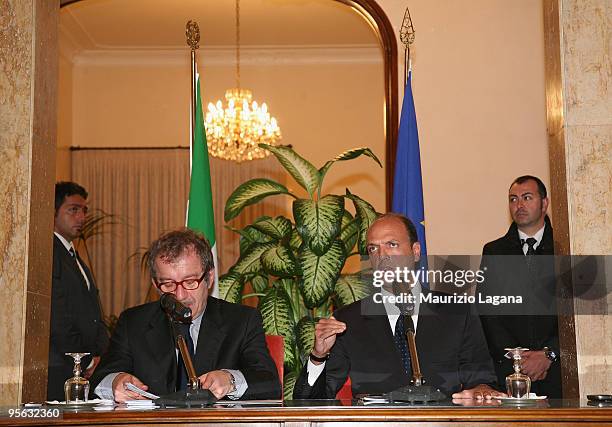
(233, 132)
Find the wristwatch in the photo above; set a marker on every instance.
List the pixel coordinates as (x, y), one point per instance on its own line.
(319, 359)
(232, 381)
(550, 354)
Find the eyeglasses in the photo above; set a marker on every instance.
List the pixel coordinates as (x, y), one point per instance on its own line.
(187, 284)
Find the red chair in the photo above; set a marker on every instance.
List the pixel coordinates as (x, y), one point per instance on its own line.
(345, 392)
(276, 347)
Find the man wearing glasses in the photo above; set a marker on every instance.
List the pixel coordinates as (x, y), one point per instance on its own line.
(227, 340)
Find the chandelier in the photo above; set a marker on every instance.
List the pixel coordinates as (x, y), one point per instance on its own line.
(234, 132)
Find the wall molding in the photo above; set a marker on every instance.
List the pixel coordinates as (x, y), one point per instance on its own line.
(226, 56)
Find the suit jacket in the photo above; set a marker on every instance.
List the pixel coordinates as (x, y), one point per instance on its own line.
(534, 323)
(76, 319)
(231, 337)
(450, 343)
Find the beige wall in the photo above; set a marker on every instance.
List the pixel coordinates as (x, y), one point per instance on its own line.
(479, 92)
(323, 108)
(478, 84)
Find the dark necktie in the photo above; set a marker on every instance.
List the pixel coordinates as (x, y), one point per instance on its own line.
(401, 342)
(75, 259)
(181, 377)
(530, 242)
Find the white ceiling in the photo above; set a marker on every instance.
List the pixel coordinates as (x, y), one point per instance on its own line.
(160, 24)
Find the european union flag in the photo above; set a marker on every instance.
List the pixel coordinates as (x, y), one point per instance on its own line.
(408, 183)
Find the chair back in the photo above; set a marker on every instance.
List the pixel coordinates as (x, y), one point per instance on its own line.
(276, 347)
(346, 392)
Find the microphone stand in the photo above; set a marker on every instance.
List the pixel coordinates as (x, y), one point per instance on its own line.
(194, 381)
(193, 395)
(417, 391)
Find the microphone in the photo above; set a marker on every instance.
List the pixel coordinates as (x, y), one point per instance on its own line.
(175, 309)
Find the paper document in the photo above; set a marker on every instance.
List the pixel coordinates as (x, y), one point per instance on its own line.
(140, 391)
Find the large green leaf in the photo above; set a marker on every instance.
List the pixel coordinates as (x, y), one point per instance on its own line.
(305, 334)
(289, 385)
(275, 309)
(350, 231)
(300, 169)
(279, 261)
(296, 240)
(295, 296)
(249, 237)
(366, 215)
(251, 262)
(350, 288)
(347, 155)
(278, 228)
(319, 273)
(250, 193)
(319, 222)
(230, 287)
(259, 283)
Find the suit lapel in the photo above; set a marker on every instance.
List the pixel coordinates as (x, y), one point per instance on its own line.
(513, 242)
(423, 335)
(93, 290)
(71, 265)
(211, 337)
(377, 325)
(161, 347)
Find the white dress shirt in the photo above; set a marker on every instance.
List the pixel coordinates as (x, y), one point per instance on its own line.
(393, 313)
(538, 236)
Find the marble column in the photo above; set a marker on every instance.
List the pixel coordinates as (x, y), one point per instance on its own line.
(28, 122)
(579, 106)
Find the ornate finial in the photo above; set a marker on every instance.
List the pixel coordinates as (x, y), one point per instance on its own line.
(407, 30)
(192, 32)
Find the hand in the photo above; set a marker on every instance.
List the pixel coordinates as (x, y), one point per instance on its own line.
(535, 364)
(89, 372)
(480, 392)
(218, 382)
(325, 336)
(121, 393)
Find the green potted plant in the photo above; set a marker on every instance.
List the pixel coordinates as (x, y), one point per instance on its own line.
(295, 265)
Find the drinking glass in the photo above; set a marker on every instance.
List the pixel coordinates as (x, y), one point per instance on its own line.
(518, 385)
(76, 389)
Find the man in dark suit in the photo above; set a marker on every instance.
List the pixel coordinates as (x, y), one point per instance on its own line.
(227, 340)
(364, 340)
(520, 263)
(76, 316)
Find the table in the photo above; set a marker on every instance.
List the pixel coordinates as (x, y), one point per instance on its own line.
(328, 413)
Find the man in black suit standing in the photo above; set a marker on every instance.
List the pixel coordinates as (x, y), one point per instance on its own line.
(366, 340)
(226, 340)
(76, 316)
(520, 263)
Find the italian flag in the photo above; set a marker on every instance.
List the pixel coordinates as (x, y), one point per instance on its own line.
(200, 214)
